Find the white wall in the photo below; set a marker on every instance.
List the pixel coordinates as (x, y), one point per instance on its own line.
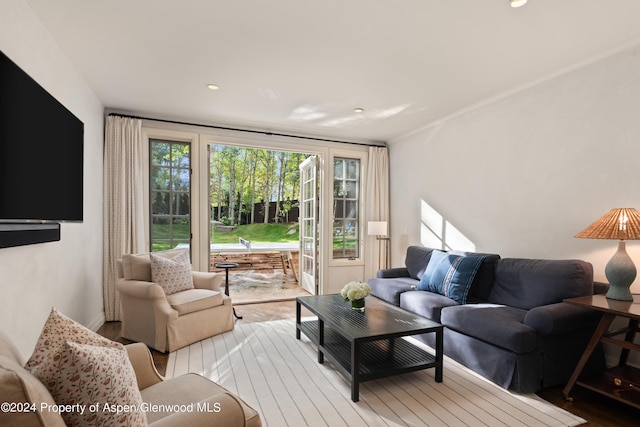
(522, 175)
(65, 274)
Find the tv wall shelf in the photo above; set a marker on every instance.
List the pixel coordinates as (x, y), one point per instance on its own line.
(28, 234)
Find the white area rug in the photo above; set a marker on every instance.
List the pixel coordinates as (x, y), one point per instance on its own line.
(280, 377)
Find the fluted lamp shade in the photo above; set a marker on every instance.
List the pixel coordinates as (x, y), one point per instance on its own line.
(618, 224)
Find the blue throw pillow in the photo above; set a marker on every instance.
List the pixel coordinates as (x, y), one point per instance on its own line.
(450, 275)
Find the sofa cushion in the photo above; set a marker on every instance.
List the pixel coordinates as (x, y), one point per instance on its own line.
(17, 385)
(495, 324)
(138, 266)
(173, 274)
(417, 260)
(483, 282)
(194, 300)
(450, 275)
(528, 283)
(426, 304)
(390, 289)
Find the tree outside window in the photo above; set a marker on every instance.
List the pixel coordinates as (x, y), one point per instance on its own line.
(346, 200)
(170, 205)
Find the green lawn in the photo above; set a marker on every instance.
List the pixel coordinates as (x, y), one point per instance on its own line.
(253, 232)
(259, 233)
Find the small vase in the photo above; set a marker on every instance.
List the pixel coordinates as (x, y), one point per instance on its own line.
(358, 305)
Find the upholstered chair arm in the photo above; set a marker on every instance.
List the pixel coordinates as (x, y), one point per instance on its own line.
(600, 287)
(140, 289)
(142, 362)
(205, 280)
(219, 410)
(560, 318)
(145, 312)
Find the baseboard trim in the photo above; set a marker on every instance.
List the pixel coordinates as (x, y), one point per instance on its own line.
(97, 323)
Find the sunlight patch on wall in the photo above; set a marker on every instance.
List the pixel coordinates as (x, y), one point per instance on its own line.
(437, 232)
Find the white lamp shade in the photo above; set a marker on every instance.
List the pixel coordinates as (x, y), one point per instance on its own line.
(377, 228)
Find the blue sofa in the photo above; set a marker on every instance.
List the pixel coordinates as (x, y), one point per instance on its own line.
(504, 317)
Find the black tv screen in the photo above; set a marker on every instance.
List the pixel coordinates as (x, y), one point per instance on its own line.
(41, 152)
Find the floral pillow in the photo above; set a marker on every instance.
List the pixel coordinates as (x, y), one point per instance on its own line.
(97, 383)
(173, 274)
(57, 330)
(81, 368)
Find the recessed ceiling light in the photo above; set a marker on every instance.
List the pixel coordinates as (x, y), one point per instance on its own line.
(213, 87)
(358, 110)
(517, 3)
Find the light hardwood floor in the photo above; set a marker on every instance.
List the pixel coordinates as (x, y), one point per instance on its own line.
(596, 409)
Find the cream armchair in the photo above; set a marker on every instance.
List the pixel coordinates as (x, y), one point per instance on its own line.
(169, 322)
(212, 404)
(224, 408)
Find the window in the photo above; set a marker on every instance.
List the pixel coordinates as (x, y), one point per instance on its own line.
(170, 193)
(346, 200)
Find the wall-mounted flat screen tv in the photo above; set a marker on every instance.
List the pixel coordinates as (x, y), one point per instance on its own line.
(41, 152)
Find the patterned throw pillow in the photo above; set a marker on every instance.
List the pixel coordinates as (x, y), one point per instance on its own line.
(450, 275)
(173, 274)
(81, 368)
(98, 383)
(57, 330)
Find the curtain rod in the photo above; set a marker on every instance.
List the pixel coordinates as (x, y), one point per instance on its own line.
(311, 138)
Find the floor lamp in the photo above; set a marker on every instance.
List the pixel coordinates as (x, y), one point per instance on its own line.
(379, 229)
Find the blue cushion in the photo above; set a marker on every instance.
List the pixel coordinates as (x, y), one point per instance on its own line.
(528, 283)
(390, 290)
(426, 304)
(417, 260)
(450, 275)
(496, 324)
(482, 284)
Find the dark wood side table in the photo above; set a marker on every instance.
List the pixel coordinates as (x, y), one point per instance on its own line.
(227, 266)
(615, 383)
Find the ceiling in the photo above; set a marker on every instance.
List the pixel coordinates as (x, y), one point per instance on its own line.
(302, 66)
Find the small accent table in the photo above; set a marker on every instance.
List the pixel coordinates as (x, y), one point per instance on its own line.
(369, 345)
(617, 386)
(227, 266)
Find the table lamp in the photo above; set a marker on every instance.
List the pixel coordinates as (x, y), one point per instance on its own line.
(618, 224)
(379, 229)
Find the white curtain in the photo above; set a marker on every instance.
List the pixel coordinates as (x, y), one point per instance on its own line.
(123, 202)
(377, 206)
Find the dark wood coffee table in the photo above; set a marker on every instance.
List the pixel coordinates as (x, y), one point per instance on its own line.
(369, 345)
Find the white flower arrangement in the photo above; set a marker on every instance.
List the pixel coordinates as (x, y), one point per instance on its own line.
(355, 290)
